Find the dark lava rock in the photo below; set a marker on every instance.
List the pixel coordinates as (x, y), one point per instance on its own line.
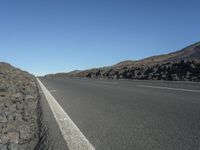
(182, 65)
(171, 71)
(18, 109)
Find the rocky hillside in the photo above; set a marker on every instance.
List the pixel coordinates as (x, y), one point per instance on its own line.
(189, 53)
(181, 65)
(18, 109)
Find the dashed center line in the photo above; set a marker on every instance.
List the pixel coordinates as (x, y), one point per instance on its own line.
(51, 91)
(105, 82)
(168, 88)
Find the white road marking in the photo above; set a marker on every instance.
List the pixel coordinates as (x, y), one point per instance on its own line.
(71, 133)
(51, 91)
(105, 82)
(168, 88)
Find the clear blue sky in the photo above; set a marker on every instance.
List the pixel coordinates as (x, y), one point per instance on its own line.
(46, 36)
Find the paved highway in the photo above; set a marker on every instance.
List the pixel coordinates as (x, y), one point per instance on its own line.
(123, 115)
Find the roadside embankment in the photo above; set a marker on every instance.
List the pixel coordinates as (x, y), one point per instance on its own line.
(19, 99)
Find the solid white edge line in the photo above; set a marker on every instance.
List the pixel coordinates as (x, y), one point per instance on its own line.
(71, 133)
(168, 88)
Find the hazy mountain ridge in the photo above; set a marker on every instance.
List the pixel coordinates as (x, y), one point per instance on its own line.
(191, 52)
(180, 65)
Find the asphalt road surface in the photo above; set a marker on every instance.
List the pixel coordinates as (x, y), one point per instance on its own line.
(129, 115)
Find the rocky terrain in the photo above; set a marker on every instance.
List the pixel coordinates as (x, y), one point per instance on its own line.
(182, 65)
(191, 52)
(18, 109)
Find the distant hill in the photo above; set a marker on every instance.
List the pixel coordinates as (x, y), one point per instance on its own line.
(63, 74)
(180, 65)
(75, 71)
(191, 52)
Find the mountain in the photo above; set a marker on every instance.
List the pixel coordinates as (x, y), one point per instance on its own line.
(191, 52)
(63, 74)
(183, 65)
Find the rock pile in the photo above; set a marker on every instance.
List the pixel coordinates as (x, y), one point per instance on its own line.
(18, 109)
(171, 71)
(181, 65)
(179, 71)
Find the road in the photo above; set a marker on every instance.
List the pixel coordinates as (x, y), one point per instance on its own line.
(127, 115)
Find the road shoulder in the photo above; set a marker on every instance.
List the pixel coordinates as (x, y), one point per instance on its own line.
(54, 138)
